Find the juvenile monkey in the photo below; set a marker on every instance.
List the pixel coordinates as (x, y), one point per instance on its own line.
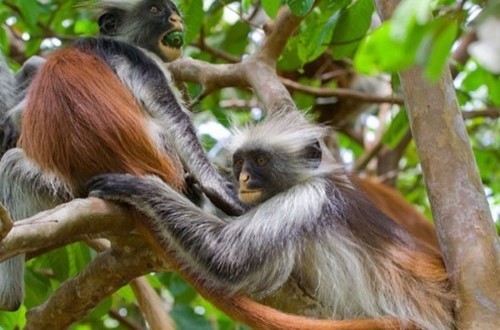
(308, 225)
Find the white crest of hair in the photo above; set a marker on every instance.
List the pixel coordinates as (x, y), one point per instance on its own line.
(291, 132)
(120, 4)
(286, 130)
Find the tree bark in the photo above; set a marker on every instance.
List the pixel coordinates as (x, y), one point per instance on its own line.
(463, 220)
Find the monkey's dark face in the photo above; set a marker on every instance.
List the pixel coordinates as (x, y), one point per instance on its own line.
(155, 25)
(261, 175)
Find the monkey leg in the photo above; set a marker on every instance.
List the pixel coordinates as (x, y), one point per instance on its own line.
(24, 190)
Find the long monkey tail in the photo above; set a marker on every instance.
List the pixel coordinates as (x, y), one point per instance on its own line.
(81, 121)
(259, 316)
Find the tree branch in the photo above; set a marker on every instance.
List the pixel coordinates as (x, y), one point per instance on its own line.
(108, 272)
(343, 93)
(67, 223)
(487, 113)
(150, 304)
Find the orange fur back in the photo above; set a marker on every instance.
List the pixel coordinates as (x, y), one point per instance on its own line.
(81, 121)
(395, 206)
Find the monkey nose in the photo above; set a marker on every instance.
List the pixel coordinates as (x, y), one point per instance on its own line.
(244, 177)
(175, 19)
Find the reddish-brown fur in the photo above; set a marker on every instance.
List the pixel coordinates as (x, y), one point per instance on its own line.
(395, 206)
(81, 121)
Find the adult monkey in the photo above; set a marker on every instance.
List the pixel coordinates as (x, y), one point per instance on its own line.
(309, 225)
(104, 104)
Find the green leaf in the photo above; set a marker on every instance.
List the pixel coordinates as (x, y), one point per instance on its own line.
(30, 11)
(127, 294)
(13, 320)
(351, 27)
(236, 38)
(78, 256)
(373, 56)
(315, 34)
(407, 14)
(443, 39)
(271, 7)
(101, 309)
(212, 19)
(38, 288)
(397, 129)
(182, 292)
(473, 79)
(493, 83)
(193, 15)
(245, 5)
(86, 27)
(299, 7)
(33, 46)
(58, 261)
(186, 318)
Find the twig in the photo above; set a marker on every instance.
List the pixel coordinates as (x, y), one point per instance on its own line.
(200, 44)
(340, 93)
(487, 113)
(129, 323)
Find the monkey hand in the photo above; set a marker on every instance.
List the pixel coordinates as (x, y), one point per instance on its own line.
(118, 187)
(224, 197)
(131, 189)
(193, 189)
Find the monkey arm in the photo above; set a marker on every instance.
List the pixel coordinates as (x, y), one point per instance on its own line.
(255, 253)
(25, 191)
(25, 75)
(10, 126)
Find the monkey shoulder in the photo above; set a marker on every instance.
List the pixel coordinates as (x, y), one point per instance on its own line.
(108, 49)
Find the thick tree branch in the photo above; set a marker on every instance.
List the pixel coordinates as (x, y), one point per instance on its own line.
(108, 272)
(150, 304)
(278, 33)
(67, 223)
(463, 220)
(257, 71)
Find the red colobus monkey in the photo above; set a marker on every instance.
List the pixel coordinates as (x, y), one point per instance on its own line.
(104, 105)
(308, 225)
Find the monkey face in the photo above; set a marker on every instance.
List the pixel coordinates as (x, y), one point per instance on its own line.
(258, 174)
(155, 25)
(170, 44)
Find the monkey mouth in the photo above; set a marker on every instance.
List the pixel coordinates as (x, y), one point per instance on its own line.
(250, 196)
(173, 39)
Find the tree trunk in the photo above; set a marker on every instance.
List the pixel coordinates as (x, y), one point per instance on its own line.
(463, 220)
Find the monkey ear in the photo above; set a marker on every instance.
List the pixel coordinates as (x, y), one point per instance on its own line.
(313, 154)
(108, 24)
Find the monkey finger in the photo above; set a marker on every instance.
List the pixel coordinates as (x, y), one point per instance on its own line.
(225, 200)
(114, 186)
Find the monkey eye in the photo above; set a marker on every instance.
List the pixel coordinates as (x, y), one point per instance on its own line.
(154, 10)
(261, 160)
(238, 163)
